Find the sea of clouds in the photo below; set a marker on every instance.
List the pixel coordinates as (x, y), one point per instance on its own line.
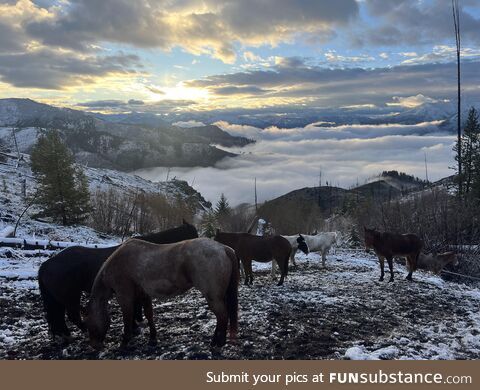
(283, 160)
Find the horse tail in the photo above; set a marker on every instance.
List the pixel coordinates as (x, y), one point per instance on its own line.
(232, 293)
(98, 319)
(55, 310)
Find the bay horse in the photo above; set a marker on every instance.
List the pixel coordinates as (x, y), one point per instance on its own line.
(64, 276)
(263, 249)
(387, 245)
(151, 270)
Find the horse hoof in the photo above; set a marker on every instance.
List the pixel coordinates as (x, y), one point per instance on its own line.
(218, 343)
(152, 342)
(390, 280)
(381, 279)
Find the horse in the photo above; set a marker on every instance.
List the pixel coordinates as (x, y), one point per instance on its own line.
(249, 247)
(321, 242)
(387, 245)
(64, 277)
(297, 242)
(140, 268)
(435, 263)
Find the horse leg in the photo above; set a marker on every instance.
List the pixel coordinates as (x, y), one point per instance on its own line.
(324, 257)
(73, 313)
(274, 269)
(57, 324)
(381, 260)
(292, 257)
(245, 271)
(138, 310)
(148, 308)
(241, 267)
(126, 300)
(248, 272)
(390, 266)
(283, 268)
(410, 267)
(219, 308)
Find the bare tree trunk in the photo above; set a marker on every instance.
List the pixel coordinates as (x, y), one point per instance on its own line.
(456, 22)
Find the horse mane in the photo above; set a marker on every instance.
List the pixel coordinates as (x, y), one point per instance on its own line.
(171, 235)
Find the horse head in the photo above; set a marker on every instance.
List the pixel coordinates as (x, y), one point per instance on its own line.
(369, 235)
(97, 325)
(302, 245)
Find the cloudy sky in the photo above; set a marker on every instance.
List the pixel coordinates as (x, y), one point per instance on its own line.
(181, 57)
(204, 54)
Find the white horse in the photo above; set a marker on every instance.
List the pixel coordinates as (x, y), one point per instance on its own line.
(322, 242)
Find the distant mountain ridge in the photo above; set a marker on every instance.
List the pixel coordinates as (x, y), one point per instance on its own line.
(128, 144)
(305, 203)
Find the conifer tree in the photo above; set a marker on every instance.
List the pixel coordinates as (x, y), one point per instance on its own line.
(470, 146)
(209, 224)
(62, 190)
(223, 212)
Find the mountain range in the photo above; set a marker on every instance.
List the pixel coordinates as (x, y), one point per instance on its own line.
(126, 143)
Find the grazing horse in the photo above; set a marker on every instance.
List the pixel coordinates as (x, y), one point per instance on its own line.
(387, 245)
(249, 247)
(297, 242)
(64, 277)
(435, 263)
(162, 271)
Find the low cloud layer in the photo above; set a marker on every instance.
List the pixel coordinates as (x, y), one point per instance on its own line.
(286, 159)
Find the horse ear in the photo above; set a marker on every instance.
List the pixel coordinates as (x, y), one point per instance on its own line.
(184, 222)
(218, 231)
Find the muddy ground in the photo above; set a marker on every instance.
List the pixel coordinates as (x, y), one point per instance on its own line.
(339, 312)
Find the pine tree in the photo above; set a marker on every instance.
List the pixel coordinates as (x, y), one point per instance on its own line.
(209, 224)
(62, 190)
(223, 212)
(470, 146)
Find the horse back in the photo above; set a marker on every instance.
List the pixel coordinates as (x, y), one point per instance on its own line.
(169, 269)
(73, 269)
(391, 244)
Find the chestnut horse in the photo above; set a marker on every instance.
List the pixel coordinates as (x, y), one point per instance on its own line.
(64, 277)
(140, 268)
(387, 245)
(263, 249)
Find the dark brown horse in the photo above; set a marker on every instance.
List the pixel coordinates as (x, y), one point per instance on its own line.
(140, 268)
(64, 277)
(387, 245)
(263, 249)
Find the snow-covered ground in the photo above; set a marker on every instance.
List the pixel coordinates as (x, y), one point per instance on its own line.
(341, 312)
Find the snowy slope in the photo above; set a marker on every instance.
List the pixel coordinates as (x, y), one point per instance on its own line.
(12, 201)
